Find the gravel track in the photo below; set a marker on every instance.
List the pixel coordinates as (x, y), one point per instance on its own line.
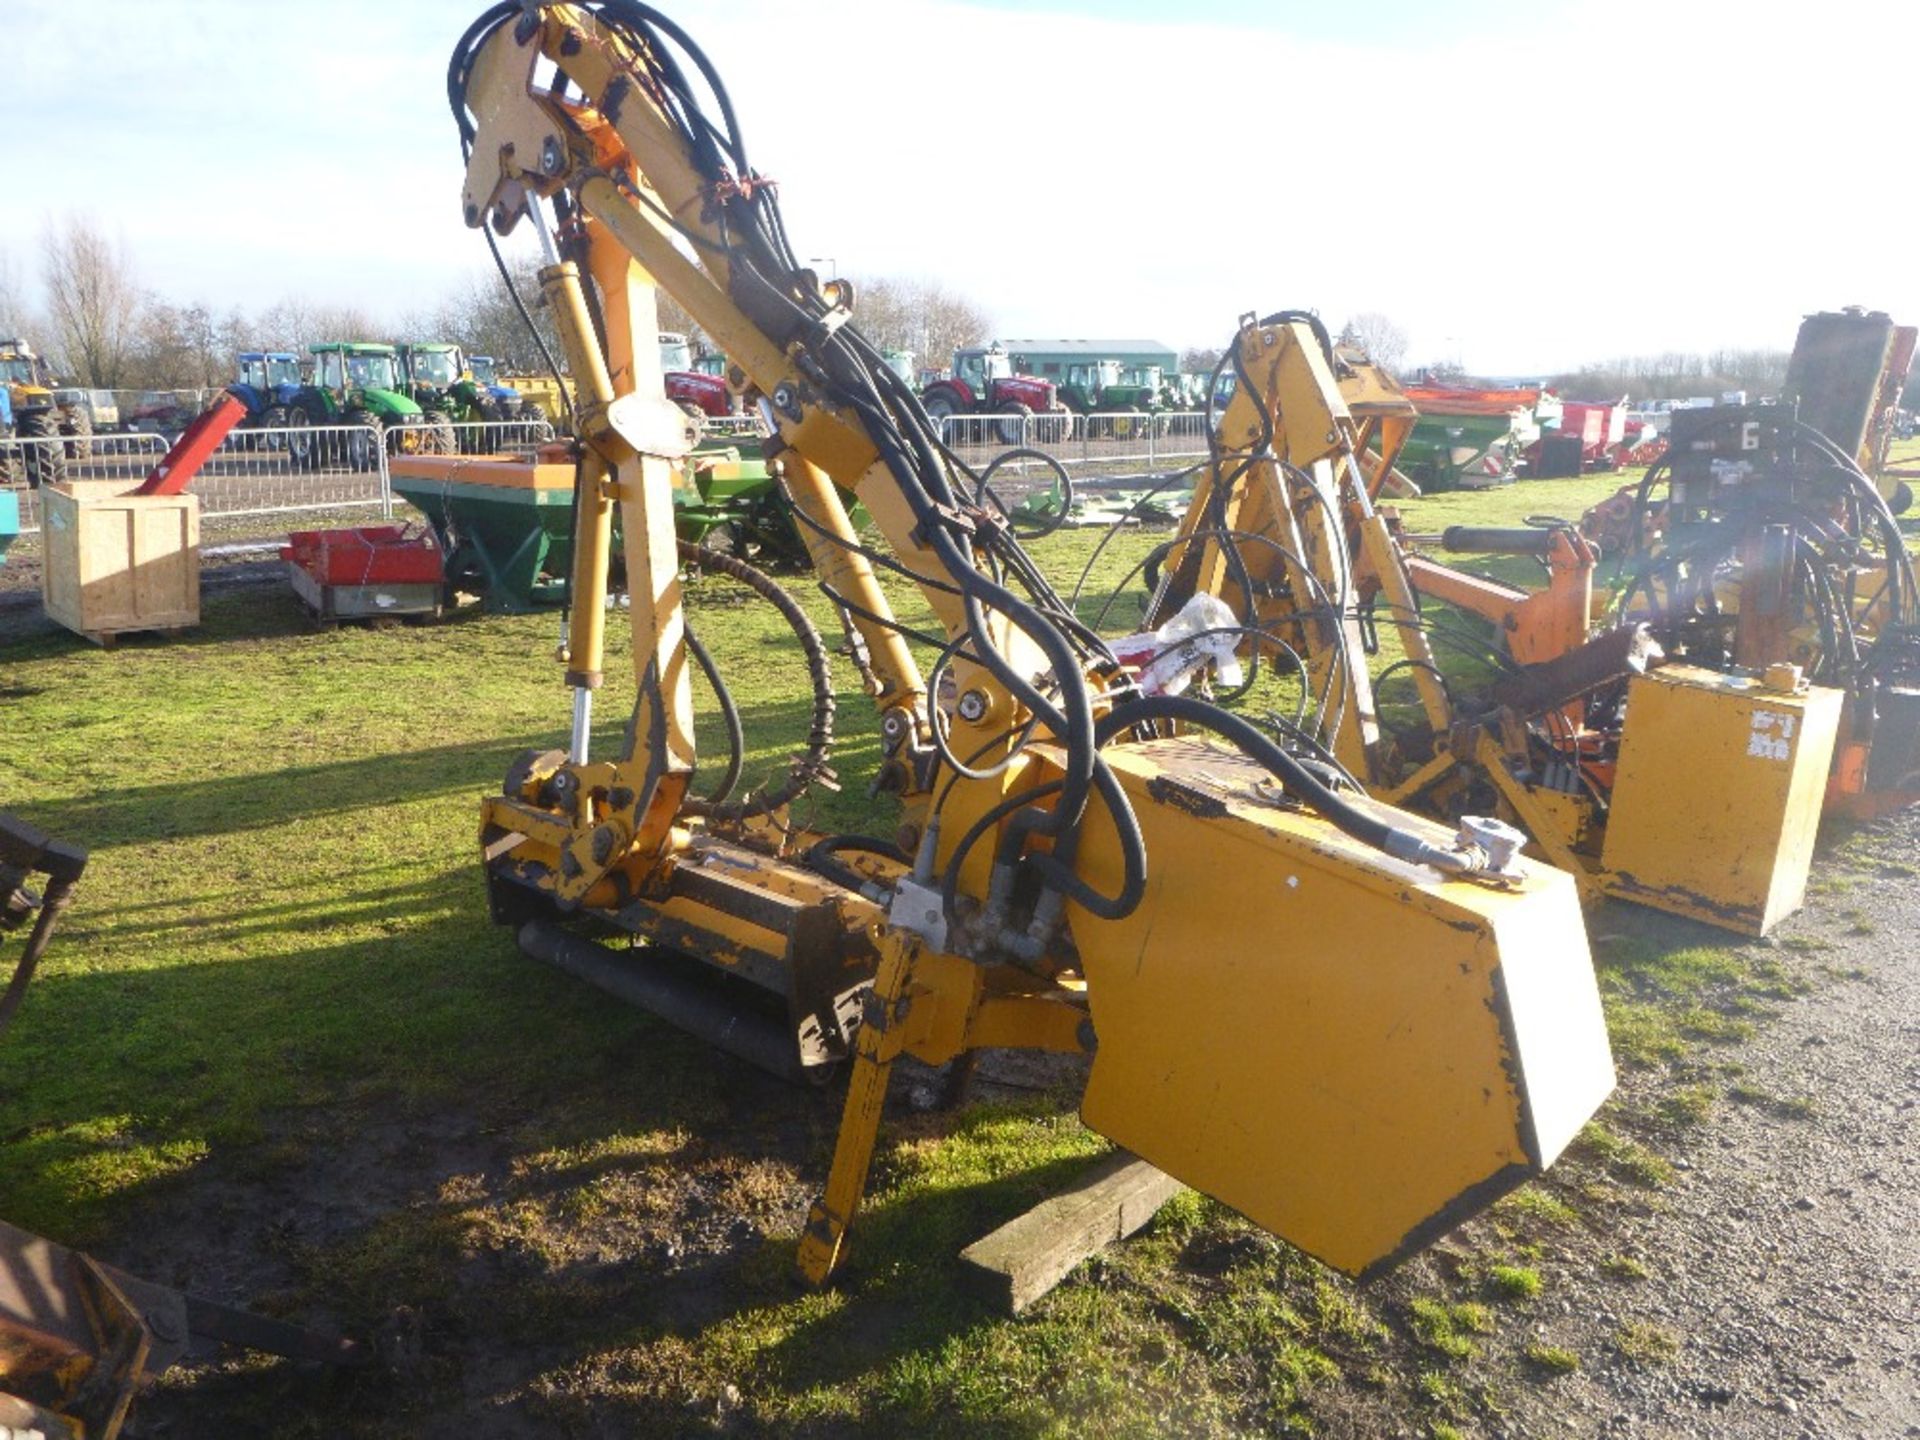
(1784, 1257)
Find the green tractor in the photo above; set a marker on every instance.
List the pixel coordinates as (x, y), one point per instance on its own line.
(358, 384)
(1084, 390)
(1142, 390)
(38, 415)
(1123, 400)
(450, 390)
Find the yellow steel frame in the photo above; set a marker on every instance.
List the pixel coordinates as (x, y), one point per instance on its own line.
(1295, 423)
(616, 843)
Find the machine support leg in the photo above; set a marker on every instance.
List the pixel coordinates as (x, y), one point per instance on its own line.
(582, 725)
(832, 1213)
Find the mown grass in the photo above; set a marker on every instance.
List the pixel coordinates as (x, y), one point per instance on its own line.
(281, 943)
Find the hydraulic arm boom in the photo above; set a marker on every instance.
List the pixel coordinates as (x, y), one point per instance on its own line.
(1282, 527)
(1076, 864)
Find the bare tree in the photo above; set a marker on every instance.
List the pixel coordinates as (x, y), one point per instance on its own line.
(1384, 342)
(481, 317)
(921, 316)
(674, 317)
(285, 325)
(92, 298)
(1675, 374)
(14, 320)
(1198, 360)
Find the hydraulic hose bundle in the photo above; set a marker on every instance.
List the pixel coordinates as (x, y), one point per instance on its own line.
(1844, 527)
(978, 557)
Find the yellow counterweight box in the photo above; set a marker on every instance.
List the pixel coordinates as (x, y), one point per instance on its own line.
(1718, 794)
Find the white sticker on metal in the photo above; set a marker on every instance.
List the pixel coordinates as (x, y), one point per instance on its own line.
(1771, 737)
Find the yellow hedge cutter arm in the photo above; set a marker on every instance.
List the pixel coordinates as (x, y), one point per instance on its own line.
(1348, 1023)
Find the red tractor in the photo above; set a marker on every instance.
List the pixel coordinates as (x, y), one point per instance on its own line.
(697, 387)
(983, 383)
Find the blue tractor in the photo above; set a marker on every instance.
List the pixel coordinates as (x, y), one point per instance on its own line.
(266, 383)
(506, 401)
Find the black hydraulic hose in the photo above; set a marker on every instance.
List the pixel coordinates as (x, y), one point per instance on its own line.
(1363, 826)
(457, 74)
(1309, 319)
(872, 844)
(871, 555)
(821, 857)
(937, 728)
(950, 879)
(983, 492)
(810, 765)
(1636, 535)
(1163, 483)
(1899, 562)
(897, 423)
(729, 716)
(1072, 719)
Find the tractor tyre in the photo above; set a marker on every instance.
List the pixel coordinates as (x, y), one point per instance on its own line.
(77, 425)
(1901, 500)
(941, 407)
(365, 441)
(1053, 428)
(438, 436)
(303, 446)
(483, 434)
(44, 457)
(273, 425)
(1125, 425)
(1012, 430)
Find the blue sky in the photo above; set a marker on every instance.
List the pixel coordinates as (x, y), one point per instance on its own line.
(1521, 186)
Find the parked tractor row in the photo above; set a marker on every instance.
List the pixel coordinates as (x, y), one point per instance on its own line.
(407, 398)
(983, 380)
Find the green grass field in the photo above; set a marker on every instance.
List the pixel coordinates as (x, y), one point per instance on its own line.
(279, 1044)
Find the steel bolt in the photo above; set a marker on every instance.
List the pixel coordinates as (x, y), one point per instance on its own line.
(550, 155)
(973, 706)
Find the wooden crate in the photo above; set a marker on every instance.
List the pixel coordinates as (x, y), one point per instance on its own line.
(116, 562)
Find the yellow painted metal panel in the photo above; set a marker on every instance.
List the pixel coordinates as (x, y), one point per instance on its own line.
(1717, 799)
(492, 470)
(1347, 1049)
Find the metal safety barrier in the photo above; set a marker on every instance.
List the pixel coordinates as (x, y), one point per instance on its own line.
(289, 470)
(733, 427)
(1104, 435)
(465, 437)
(28, 463)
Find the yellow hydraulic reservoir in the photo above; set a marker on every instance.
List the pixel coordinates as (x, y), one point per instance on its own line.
(1352, 1051)
(1718, 793)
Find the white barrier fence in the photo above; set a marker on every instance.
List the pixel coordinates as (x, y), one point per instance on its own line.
(317, 468)
(1104, 435)
(733, 427)
(261, 472)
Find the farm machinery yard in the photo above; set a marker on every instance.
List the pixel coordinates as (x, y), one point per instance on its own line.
(296, 1114)
(1278, 958)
